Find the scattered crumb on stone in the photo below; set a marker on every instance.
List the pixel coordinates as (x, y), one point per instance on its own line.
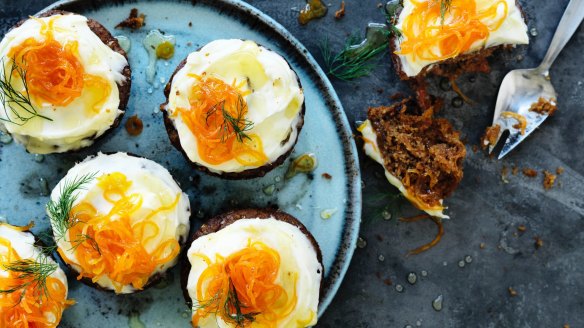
(387, 281)
(134, 20)
(559, 170)
(514, 170)
(548, 180)
(512, 292)
(341, 12)
(529, 172)
(543, 106)
(327, 176)
(521, 228)
(482, 246)
(538, 242)
(566, 325)
(490, 136)
(504, 174)
(475, 148)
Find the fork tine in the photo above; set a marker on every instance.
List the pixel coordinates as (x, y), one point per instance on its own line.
(515, 138)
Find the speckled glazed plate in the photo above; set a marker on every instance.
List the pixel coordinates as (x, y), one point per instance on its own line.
(27, 178)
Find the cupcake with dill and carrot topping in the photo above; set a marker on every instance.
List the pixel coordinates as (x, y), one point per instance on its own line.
(234, 109)
(253, 268)
(33, 288)
(119, 221)
(64, 82)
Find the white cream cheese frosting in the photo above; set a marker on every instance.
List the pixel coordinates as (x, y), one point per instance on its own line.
(73, 126)
(149, 180)
(372, 150)
(23, 244)
(513, 31)
(297, 256)
(274, 104)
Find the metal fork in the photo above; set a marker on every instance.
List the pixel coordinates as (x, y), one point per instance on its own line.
(522, 88)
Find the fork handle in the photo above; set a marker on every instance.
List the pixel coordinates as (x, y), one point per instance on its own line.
(570, 21)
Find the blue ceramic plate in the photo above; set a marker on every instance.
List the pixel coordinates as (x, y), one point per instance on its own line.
(27, 179)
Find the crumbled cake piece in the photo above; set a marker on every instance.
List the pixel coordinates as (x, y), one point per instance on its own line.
(548, 180)
(134, 20)
(529, 172)
(490, 136)
(543, 106)
(423, 152)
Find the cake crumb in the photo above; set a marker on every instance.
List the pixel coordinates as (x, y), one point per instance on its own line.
(490, 136)
(548, 180)
(559, 170)
(504, 174)
(134, 20)
(529, 172)
(543, 106)
(327, 176)
(521, 228)
(482, 246)
(515, 170)
(512, 292)
(341, 12)
(538, 242)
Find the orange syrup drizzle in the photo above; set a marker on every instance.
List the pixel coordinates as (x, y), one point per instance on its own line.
(54, 72)
(207, 123)
(426, 37)
(116, 247)
(252, 273)
(24, 310)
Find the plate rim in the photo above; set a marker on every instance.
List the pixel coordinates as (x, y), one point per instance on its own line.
(353, 211)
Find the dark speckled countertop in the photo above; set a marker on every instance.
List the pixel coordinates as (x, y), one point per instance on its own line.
(483, 253)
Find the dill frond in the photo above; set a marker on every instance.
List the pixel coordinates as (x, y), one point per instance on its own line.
(16, 102)
(59, 212)
(444, 8)
(34, 273)
(236, 123)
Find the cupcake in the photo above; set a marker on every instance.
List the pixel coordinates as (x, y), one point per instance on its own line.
(253, 268)
(234, 109)
(119, 221)
(33, 288)
(64, 82)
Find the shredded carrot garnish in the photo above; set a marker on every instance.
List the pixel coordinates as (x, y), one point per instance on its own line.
(252, 273)
(217, 142)
(435, 241)
(522, 121)
(22, 308)
(427, 36)
(54, 72)
(115, 244)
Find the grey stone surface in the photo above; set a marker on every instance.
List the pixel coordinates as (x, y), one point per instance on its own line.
(549, 281)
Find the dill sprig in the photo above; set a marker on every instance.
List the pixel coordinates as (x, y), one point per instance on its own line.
(232, 307)
(18, 103)
(444, 8)
(232, 303)
(33, 273)
(237, 123)
(59, 213)
(350, 64)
